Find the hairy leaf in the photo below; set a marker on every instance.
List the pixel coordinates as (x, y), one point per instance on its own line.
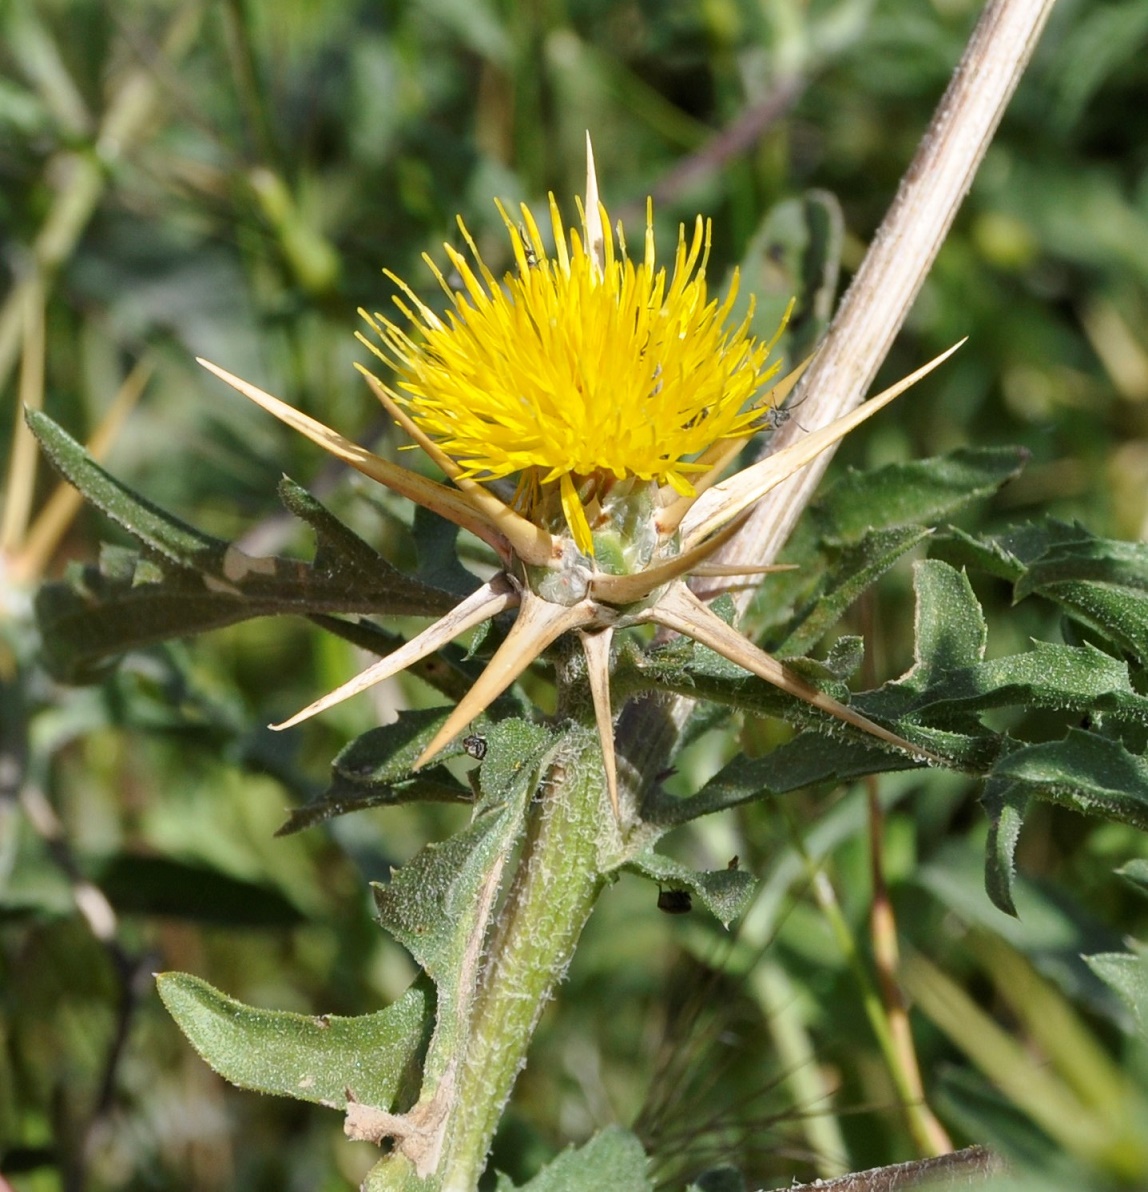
(807, 760)
(852, 568)
(1098, 581)
(188, 582)
(375, 1057)
(437, 905)
(613, 1159)
(725, 893)
(1086, 772)
(374, 770)
(1005, 803)
(908, 498)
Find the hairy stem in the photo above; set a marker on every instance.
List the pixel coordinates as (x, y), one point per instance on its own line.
(555, 887)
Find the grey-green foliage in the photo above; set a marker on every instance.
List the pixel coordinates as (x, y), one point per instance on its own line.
(374, 1058)
(436, 906)
(725, 893)
(1098, 770)
(612, 1159)
(188, 582)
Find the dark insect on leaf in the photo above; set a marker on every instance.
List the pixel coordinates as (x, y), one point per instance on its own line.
(675, 902)
(475, 746)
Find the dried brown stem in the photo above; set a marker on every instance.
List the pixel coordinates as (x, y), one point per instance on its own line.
(901, 254)
(874, 309)
(965, 1168)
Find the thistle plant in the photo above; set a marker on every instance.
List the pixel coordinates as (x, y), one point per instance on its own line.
(585, 410)
(586, 414)
(615, 398)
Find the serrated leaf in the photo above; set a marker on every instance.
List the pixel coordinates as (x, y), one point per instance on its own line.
(725, 893)
(1126, 974)
(613, 1159)
(950, 626)
(850, 570)
(807, 760)
(918, 492)
(845, 656)
(1005, 804)
(1073, 679)
(159, 531)
(374, 770)
(164, 886)
(375, 1057)
(428, 903)
(189, 582)
(1088, 773)
(1101, 582)
(513, 750)
(984, 554)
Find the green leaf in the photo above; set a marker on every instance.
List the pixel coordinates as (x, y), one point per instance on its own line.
(989, 555)
(435, 905)
(429, 902)
(851, 569)
(514, 751)
(807, 760)
(374, 1057)
(145, 885)
(725, 893)
(1006, 804)
(613, 1159)
(1085, 772)
(1126, 973)
(189, 582)
(158, 531)
(436, 544)
(1100, 582)
(920, 492)
(374, 770)
(907, 498)
(950, 628)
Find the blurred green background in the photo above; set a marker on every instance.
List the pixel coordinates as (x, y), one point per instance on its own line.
(229, 180)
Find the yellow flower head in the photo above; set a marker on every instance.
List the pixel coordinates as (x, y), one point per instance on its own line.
(618, 397)
(581, 367)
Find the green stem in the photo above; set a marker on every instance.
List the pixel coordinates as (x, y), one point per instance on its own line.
(555, 887)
